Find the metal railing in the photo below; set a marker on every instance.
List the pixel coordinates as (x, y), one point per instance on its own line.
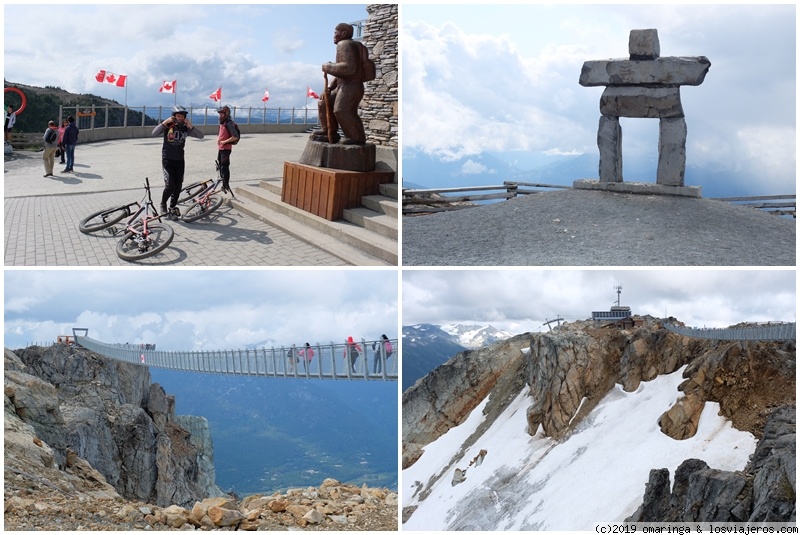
(95, 117)
(780, 205)
(329, 362)
(767, 332)
(416, 201)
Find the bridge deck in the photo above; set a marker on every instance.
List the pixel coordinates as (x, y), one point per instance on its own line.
(329, 361)
(772, 332)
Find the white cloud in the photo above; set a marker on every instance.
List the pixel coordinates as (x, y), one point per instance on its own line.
(521, 300)
(203, 309)
(471, 167)
(505, 78)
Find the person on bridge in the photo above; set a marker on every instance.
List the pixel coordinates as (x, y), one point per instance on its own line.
(176, 129)
(307, 354)
(225, 140)
(353, 350)
(291, 359)
(381, 345)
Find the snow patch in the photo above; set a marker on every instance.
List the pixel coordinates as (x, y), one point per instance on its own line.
(596, 474)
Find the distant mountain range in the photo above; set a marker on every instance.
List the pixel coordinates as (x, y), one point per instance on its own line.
(427, 346)
(421, 170)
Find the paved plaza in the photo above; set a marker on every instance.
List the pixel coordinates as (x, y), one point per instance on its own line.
(42, 214)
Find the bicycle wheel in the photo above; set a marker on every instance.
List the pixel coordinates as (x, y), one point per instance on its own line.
(201, 209)
(191, 191)
(134, 246)
(103, 219)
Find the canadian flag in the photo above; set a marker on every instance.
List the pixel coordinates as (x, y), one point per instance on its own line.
(266, 96)
(216, 96)
(168, 87)
(111, 78)
(311, 93)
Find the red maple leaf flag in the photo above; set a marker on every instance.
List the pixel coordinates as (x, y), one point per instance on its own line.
(266, 96)
(216, 96)
(168, 87)
(311, 93)
(104, 76)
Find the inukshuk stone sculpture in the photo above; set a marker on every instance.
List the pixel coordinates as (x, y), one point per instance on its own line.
(646, 86)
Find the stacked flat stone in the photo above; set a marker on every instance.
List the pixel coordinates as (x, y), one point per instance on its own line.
(644, 86)
(379, 107)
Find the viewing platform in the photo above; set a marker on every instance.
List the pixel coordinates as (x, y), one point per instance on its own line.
(42, 214)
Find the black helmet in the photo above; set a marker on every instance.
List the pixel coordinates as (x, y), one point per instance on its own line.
(179, 109)
(223, 108)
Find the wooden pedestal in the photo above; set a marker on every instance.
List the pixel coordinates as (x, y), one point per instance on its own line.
(328, 192)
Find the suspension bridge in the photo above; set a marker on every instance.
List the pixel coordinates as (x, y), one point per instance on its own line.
(361, 361)
(766, 332)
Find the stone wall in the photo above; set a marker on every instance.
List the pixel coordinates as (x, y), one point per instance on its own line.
(379, 108)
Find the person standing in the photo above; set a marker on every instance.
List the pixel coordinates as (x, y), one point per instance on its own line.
(50, 138)
(226, 138)
(307, 354)
(291, 359)
(70, 140)
(61, 130)
(381, 346)
(176, 129)
(352, 349)
(11, 118)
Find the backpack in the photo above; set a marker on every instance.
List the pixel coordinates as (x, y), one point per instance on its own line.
(50, 136)
(388, 346)
(368, 66)
(238, 132)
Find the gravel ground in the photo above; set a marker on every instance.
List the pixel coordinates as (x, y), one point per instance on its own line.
(596, 228)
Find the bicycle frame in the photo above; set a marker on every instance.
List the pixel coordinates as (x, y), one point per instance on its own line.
(146, 207)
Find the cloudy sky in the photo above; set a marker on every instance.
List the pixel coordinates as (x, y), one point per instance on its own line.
(201, 309)
(500, 78)
(522, 300)
(243, 48)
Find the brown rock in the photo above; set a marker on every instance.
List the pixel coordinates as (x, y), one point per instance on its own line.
(224, 517)
(277, 506)
(680, 421)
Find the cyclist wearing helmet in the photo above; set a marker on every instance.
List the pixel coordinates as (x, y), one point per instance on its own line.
(175, 131)
(227, 136)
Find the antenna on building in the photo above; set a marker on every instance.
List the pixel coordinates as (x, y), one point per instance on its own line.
(619, 291)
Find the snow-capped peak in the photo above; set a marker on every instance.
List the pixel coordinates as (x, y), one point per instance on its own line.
(475, 336)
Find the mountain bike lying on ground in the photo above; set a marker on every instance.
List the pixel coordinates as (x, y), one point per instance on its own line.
(144, 236)
(202, 197)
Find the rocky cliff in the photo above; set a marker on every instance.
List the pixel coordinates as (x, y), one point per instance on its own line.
(568, 372)
(763, 492)
(90, 444)
(446, 396)
(106, 413)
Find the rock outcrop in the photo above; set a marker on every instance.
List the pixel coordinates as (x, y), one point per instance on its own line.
(764, 492)
(85, 410)
(200, 438)
(445, 397)
(575, 367)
